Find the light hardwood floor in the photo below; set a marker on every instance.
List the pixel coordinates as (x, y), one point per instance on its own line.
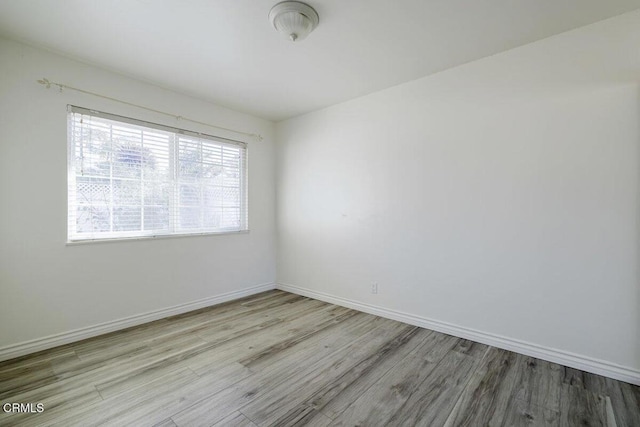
(281, 359)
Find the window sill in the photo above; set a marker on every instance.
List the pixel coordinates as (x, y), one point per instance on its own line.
(156, 237)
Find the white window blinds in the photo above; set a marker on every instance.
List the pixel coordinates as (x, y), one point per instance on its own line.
(129, 178)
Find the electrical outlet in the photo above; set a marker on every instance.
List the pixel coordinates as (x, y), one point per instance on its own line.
(374, 288)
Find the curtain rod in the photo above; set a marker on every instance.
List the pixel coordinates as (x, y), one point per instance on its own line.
(47, 83)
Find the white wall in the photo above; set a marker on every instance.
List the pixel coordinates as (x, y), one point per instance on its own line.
(501, 196)
(47, 287)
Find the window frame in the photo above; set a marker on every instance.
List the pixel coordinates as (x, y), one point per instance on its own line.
(173, 149)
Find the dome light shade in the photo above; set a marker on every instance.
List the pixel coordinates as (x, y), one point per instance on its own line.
(293, 19)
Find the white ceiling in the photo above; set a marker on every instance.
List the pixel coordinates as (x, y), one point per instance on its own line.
(225, 51)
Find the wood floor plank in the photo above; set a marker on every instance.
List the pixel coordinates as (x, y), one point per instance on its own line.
(155, 403)
(204, 320)
(216, 336)
(471, 348)
(625, 402)
(596, 384)
(172, 326)
(55, 404)
(538, 383)
(282, 359)
(438, 394)
(211, 409)
(419, 391)
(251, 346)
(142, 373)
(181, 397)
(302, 416)
(99, 412)
(573, 377)
(33, 380)
(166, 423)
(120, 367)
(486, 396)
(219, 330)
(86, 372)
(301, 335)
(236, 419)
(270, 297)
(41, 372)
(126, 340)
(434, 347)
(280, 379)
(523, 413)
(580, 407)
(313, 387)
(23, 362)
(146, 349)
(315, 347)
(143, 377)
(48, 364)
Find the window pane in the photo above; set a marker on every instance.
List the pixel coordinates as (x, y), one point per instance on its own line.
(231, 197)
(126, 192)
(92, 219)
(127, 218)
(93, 190)
(212, 196)
(156, 218)
(230, 218)
(190, 218)
(189, 195)
(156, 193)
(213, 218)
(130, 178)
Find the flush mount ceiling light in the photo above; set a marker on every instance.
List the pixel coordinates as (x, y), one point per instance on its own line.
(293, 19)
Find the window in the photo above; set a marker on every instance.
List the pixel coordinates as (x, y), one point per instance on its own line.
(129, 178)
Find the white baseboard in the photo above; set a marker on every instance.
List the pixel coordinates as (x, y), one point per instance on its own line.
(584, 363)
(32, 346)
